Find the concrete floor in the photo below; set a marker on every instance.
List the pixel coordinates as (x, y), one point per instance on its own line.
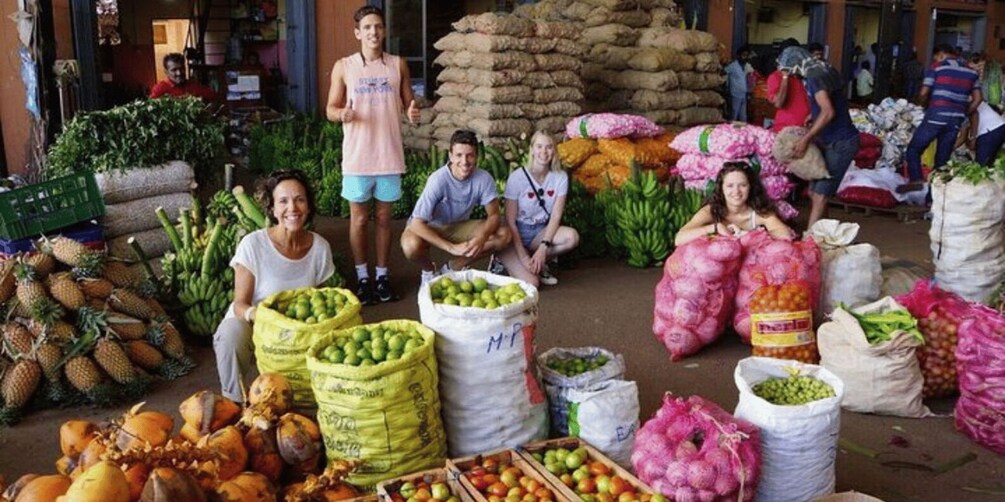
(605, 303)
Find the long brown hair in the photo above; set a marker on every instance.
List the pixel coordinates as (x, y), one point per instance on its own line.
(757, 198)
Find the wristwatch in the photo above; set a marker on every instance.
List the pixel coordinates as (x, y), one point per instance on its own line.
(547, 244)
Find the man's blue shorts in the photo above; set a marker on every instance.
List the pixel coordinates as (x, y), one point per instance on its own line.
(362, 188)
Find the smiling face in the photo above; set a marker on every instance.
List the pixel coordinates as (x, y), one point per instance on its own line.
(290, 206)
(370, 32)
(543, 152)
(735, 189)
(175, 72)
(462, 160)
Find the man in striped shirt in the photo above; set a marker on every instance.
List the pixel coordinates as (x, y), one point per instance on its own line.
(952, 91)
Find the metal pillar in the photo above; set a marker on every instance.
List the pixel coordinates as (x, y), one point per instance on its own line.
(889, 35)
(301, 51)
(85, 46)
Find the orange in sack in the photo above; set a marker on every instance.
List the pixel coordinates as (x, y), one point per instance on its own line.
(781, 323)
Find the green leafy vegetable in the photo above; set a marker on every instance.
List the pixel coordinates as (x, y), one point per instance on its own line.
(879, 326)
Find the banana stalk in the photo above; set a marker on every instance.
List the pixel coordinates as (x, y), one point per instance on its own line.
(207, 256)
(169, 228)
(141, 255)
(249, 208)
(186, 227)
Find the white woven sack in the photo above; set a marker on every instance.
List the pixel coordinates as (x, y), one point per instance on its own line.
(967, 236)
(798, 443)
(140, 214)
(884, 378)
(852, 274)
(558, 385)
(141, 182)
(606, 415)
(155, 243)
(479, 349)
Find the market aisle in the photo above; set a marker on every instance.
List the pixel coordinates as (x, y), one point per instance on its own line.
(609, 304)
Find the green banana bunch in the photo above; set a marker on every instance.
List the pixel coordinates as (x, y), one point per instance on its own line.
(220, 206)
(640, 220)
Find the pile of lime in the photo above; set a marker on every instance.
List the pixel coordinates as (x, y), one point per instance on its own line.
(312, 305)
(372, 344)
(476, 293)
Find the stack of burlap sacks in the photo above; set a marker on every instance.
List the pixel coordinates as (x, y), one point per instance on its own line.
(640, 61)
(504, 76)
(131, 200)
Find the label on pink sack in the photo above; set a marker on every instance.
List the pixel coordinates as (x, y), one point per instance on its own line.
(781, 329)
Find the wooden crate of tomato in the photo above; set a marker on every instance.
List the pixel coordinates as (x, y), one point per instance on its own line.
(434, 485)
(498, 476)
(582, 472)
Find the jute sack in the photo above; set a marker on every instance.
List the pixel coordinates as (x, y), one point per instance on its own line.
(611, 57)
(622, 4)
(663, 16)
(569, 47)
(699, 115)
(614, 34)
(554, 62)
(709, 98)
(450, 104)
(565, 78)
(507, 60)
(538, 80)
(477, 110)
(154, 241)
(140, 214)
(653, 100)
(632, 18)
(455, 89)
(122, 186)
(633, 79)
(619, 100)
(707, 62)
(563, 109)
(556, 29)
(500, 127)
(884, 378)
(510, 94)
(491, 23)
(689, 41)
(662, 117)
(660, 58)
(533, 111)
(545, 96)
(554, 125)
(495, 78)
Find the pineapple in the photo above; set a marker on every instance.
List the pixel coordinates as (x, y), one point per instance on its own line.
(127, 328)
(144, 355)
(83, 374)
(61, 331)
(155, 306)
(63, 288)
(97, 304)
(120, 274)
(90, 266)
(96, 288)
(8, 283)
(66, 250)
(113, 359)
(48, 355)
(166, 336)
(17, 339)
(20, 382)
(29, 290)
(42, 263)
(127, 302)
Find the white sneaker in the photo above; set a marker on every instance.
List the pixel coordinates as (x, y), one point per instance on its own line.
(496, 267)
(546, 278)
(427, 276)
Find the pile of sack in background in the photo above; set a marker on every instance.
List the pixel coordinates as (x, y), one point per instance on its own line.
(505, 76)
(706, 148)
(893, 122)
(639, 60)
(419, 136)
(602, 147)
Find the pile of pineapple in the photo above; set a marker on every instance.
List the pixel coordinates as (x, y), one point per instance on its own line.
(262, 452)
(79, 327)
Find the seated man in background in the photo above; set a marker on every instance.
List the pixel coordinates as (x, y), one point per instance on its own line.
(177, 83)
(441, 217)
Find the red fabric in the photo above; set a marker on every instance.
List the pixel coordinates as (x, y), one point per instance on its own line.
(868, 196)
(796, 107)
(868, 140)
(188, 88)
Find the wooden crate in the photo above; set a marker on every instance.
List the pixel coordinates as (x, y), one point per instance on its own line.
(387, 487)
(593, 454)
(458, 467)
(903, 212)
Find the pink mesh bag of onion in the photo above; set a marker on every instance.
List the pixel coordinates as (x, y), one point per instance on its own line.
(693, 450)
(980, 361)
(694, 299)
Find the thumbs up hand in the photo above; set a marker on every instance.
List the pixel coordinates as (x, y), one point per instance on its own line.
(348, 114)
(413, 113)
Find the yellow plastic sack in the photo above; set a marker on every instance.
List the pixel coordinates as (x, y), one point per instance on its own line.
(281, 342)
(387, 415)
(928, 157)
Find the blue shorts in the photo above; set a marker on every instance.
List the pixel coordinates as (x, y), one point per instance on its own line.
(838, 155)
(362, 188)
(528, 232)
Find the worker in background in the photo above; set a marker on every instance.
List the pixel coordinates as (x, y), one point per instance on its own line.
(177, 84)
(739, 88)
(788, 95)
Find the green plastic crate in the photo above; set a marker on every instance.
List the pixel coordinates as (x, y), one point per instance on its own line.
(49, 205)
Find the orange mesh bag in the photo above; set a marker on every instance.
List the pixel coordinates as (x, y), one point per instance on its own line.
(620, 150)
(597, 164)
(575, 151)
(781, 323)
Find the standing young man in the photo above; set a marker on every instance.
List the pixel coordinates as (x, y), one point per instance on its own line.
(736, 81)
(787, 93)
(369, 90)
(441, 217)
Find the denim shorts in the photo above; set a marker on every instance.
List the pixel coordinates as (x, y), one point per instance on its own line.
(361, 188)
(528, 232)
(838, 156)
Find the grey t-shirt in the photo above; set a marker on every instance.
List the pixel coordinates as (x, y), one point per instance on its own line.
(446, 200)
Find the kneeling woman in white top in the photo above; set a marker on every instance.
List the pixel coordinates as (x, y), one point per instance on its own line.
(284, 256)
(535, 200)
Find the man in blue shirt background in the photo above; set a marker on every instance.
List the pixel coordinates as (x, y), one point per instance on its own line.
(952, 91)
(736, 80)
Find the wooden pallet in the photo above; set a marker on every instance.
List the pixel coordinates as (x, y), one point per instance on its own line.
(904, 212)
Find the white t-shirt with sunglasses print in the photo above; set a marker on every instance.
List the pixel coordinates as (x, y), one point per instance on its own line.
(519, 188)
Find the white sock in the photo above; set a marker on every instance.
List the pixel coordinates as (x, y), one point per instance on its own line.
(381, 272)
(361, 272)
(428, 275)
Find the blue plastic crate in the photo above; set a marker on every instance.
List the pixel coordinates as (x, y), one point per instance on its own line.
(87, 232)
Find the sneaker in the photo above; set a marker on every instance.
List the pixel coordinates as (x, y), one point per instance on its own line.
(913, 186)
(546, 278)
(446, 269)
(496, 267)
(364, 291)
(384, 291)
(427, 276)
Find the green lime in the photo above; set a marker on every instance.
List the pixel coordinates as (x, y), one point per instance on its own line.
(360, 334)
(480, 284)
(378, 354)
(364, 354)
(351, 347)
(311, 320)
(411, 345)
(337, 356)
(397, 342)
(449, 301)
(393, 355)
(351, 360)
(477, 303)
(368, 362)
(467, 287)
(491, 304)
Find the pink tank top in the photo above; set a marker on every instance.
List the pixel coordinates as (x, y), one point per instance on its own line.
(372, 143)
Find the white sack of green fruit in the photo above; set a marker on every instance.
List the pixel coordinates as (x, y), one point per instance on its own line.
(563, 369)
(480, 348)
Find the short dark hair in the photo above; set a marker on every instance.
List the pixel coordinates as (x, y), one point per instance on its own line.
(463, 137)
(814, 47)
(866, 65)
(174, 56)
(788, 42)
(267, 186)
(945, 49)
(366, 10)
(742, 49)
